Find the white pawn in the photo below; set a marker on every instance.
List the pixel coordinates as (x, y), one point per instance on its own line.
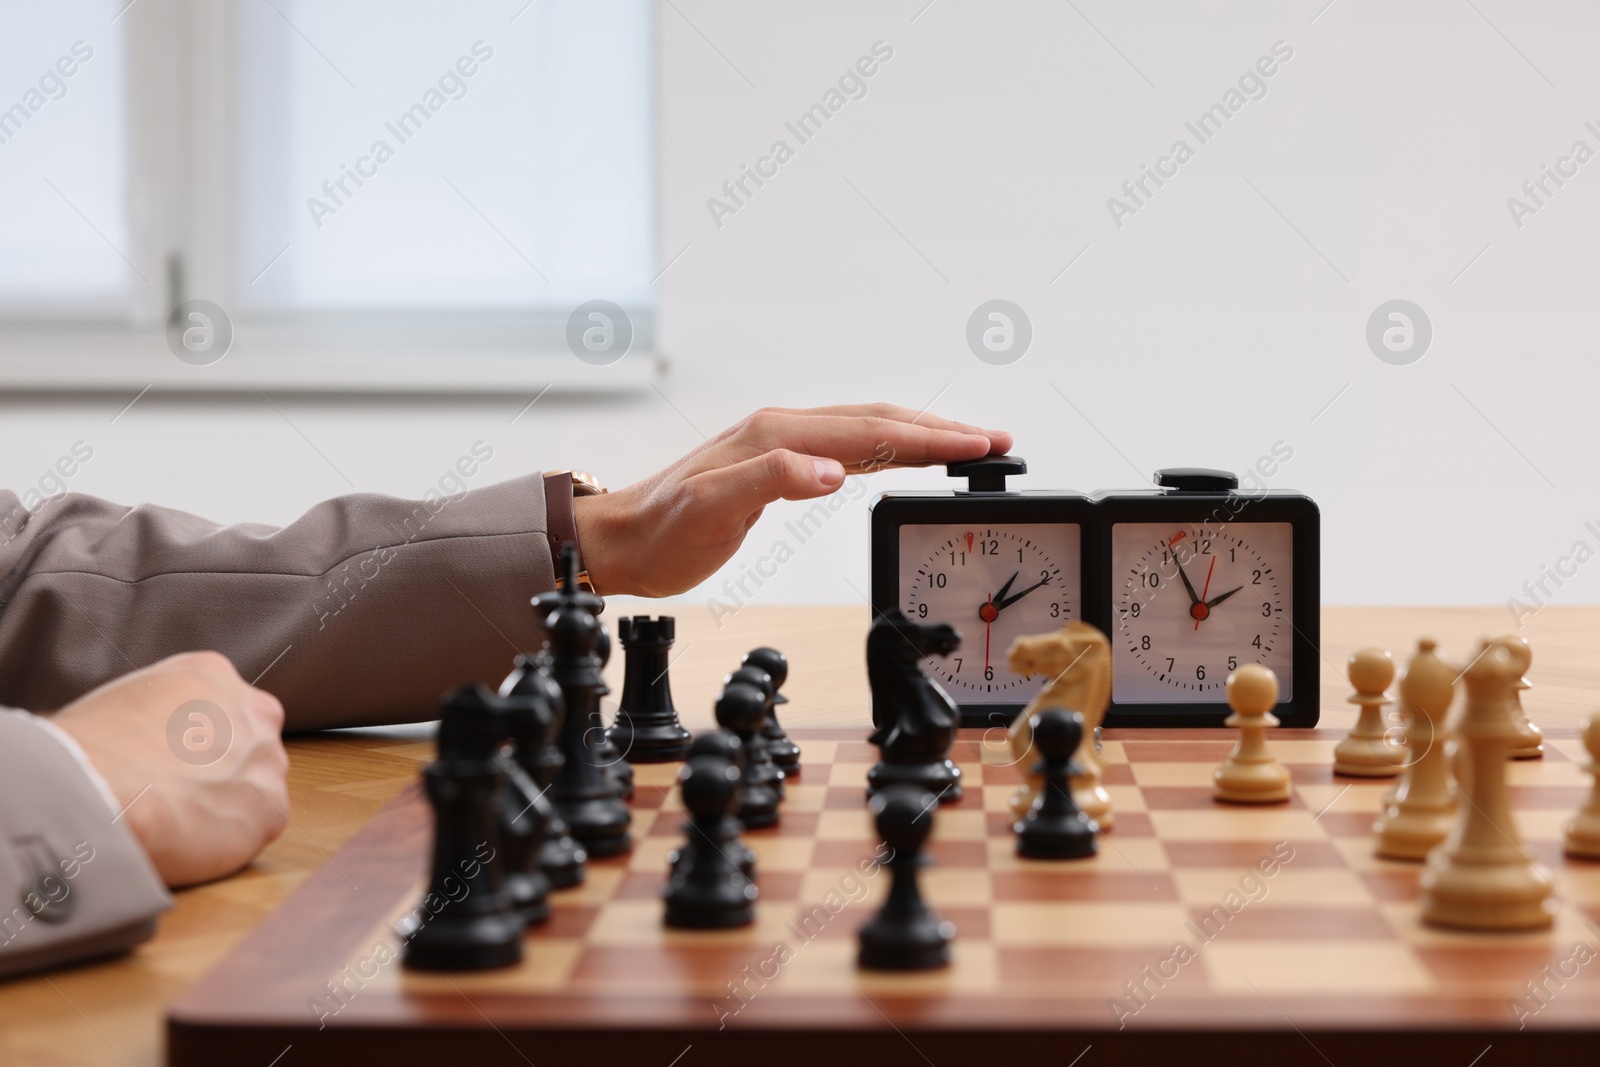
(1583, 830)
(1251, 774)
(1530, 739)
(1481, 878)
(1370, 751)
(1418, 816)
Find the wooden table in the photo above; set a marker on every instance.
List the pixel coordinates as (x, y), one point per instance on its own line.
(112, 1012)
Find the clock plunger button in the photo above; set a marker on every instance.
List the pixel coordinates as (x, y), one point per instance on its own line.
(1196, 480)
(987, 475)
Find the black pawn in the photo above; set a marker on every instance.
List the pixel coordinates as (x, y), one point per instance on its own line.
(525, 812)
(725, 745)
(561, 857)
(706, 890)
(584, 790)
(612, 758)
(759, 678)
(739, 709)
(718, 742)
(466, 921)
(785, 753)
(906, 934)
(647, 727)
(1054, 828)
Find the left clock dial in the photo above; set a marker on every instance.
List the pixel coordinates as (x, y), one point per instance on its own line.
(993, 583)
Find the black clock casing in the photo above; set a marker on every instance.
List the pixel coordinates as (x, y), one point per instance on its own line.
(985, 500)
(1210, 498)
(1183, 496)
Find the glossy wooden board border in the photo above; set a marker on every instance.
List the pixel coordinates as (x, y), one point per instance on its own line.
(112, 1013)
(255, 1003)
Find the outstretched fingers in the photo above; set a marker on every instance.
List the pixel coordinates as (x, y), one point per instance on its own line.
(863, 441)
(896, 413)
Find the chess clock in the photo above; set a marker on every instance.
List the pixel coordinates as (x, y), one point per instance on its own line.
(993, 562)
(1189, 580)
(1193, 579)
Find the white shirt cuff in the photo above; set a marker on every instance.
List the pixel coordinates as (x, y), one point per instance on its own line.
(78, 756)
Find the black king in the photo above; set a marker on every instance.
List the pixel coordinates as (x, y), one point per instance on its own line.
(585, 791)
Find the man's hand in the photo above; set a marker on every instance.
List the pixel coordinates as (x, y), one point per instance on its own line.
(669, 532)
(202, 796)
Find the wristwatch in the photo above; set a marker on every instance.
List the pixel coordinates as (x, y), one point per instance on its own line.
(560, 488)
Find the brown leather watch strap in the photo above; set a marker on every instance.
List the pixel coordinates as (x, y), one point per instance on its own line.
(561, 524)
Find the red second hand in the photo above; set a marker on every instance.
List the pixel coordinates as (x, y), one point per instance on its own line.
(1206, 589)
(986, 625)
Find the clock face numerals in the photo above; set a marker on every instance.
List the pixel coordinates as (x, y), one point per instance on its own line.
(1193, 602)
(993, 583)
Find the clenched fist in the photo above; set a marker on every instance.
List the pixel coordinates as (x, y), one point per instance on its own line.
(194, 756)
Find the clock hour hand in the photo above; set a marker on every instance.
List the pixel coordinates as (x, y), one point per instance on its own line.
(1004, 589)
(1002, 604)
(1220, 597)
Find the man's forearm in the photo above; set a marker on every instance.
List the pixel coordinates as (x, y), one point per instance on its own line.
(364, 610)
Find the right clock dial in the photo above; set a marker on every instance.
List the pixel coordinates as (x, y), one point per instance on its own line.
(1193, 602)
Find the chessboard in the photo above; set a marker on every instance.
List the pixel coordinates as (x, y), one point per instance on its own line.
(1199, 929)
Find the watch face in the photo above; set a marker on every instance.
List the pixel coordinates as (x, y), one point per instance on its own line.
(1193, 602)
(993, 583)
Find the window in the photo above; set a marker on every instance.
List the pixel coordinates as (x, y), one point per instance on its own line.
(355, 183)
(62, 162)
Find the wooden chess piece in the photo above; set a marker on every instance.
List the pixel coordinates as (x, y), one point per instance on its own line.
(467, 921)
(1054, 829)
(724, 744)
(585, 791)
(606, 751)
(1530, 739)
(906, 934)
(646, 728)
(1482, 878)
(740, 707)
(705, 889)
(760, 679)
(1582, 836)
(785, 753)
(1075, 662)
(1371, 750)
(1251, 774)
(525, 810)
(915, 718)
(562, 859)
(1418, 816)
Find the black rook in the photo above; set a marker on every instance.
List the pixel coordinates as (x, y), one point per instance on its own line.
(647, 729)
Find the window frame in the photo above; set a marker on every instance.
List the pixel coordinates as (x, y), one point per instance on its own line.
(178, 95)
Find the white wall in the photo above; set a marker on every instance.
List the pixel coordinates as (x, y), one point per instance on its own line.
(1204, 329)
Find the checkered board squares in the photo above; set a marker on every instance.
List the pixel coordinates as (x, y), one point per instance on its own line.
(1285, 918)
(1258, 888)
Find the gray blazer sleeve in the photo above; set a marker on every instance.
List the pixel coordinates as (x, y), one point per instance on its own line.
(362, 611)
(74, 884)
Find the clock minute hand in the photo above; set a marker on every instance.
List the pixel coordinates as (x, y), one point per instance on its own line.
(1194, 598)
(1000, 605)
(1220, 597)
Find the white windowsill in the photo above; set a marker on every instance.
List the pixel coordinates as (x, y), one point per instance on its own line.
(50, 361)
